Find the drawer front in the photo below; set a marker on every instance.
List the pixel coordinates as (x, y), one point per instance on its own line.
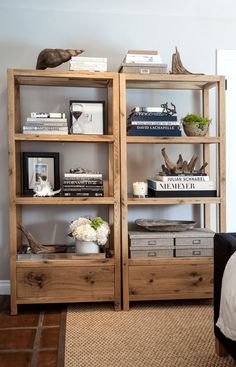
(197, 251)
(65, 282)
(152, 242)
(171, 282)
(194, 241)
(151, 253)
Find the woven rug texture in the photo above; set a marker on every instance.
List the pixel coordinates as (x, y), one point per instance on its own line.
(160, 334)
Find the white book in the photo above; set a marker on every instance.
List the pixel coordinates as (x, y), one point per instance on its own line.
(88, 59)
(88, 68)
(148, 59)
(178, 186)
(45, 124)
(42, 119)
(45, 128)
(157, 123)
(54, 115)
(83, 175)
(147, 109)
(183, 178)
(49, 132)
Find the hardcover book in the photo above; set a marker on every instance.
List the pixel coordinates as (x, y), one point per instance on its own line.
(175, 132)
(153, 127)
(181, 193)
(177, 185)
(182, 178)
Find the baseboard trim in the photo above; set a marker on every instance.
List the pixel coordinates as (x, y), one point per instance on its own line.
(4, 287)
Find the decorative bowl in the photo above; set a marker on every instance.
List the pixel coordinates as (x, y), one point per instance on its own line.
(165, 225)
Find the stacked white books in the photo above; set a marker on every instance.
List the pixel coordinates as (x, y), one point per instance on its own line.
(46, 123)
(81, 63)
(143, 62)
(143, 57)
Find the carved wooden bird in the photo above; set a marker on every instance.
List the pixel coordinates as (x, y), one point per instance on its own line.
(52, 57)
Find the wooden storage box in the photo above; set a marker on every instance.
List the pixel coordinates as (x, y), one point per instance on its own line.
(150, 252)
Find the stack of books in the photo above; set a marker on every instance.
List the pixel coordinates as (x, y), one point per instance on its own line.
(143, 62)
(46, 123)
(181, 185)
(81, 63)
(83, 184)
(151, 121)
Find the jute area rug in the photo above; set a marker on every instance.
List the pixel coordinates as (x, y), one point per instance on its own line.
(168, 334)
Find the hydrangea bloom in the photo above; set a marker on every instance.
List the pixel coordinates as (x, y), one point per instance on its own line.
(90, 229)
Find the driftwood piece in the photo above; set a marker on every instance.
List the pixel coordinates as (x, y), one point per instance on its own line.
(181, 166)
(52, 57)
(35, 246)
(177, 66)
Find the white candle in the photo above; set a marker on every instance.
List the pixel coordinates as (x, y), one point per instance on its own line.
(140, 189)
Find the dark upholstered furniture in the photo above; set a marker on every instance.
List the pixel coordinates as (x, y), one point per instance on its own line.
(224, 247)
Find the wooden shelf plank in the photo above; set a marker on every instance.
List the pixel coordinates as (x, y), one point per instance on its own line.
(180, 200)
(172, 140)
(171, 261)
(59, 200)
(66, 138)
(65, 262)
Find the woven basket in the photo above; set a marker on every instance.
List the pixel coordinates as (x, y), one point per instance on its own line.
(195, 130)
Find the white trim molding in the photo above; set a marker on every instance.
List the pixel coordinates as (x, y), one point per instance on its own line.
(4, 287)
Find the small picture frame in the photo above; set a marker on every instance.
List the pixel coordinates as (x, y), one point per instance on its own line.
(87, 117)
(40, 165)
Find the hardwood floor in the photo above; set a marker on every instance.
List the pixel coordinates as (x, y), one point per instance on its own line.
(33, 338)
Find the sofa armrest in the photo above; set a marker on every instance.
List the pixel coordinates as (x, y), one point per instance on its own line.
(224, 247)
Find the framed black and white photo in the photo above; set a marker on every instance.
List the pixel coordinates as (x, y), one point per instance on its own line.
(40, 165)
(87, 117)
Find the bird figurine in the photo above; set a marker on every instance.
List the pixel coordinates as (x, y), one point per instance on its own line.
(52, 57)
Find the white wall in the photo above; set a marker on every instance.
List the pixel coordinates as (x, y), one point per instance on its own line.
(105, 28)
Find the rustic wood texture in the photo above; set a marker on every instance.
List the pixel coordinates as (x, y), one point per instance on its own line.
(65, 283)
(180, 277)
(87, 279)
(171, 280)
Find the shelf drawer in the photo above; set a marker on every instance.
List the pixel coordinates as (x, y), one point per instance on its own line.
(173, 281)
(66, 282)
(195, 241)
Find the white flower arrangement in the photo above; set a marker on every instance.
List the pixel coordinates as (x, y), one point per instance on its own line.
(90, 229)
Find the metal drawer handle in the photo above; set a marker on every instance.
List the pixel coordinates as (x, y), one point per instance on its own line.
(152, 254)
(196, 242)
(151, 243)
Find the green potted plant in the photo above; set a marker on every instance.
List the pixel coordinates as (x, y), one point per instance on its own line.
(195, 125)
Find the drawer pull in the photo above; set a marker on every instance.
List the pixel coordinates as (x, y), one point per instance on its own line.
(152, 254)
(151, 243)
(196, 242)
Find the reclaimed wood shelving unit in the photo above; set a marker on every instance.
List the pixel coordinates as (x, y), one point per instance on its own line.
(63, 279)
(172, 278)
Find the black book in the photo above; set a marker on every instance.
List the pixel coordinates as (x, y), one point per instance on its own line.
(150, 116)
(82, 194)
(181, 193)
(175, 132)
(153, 127)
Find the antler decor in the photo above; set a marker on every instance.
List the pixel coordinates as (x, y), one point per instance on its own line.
(35, 246)
(180, 166)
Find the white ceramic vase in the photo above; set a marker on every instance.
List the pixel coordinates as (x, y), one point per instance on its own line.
(86, 247)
